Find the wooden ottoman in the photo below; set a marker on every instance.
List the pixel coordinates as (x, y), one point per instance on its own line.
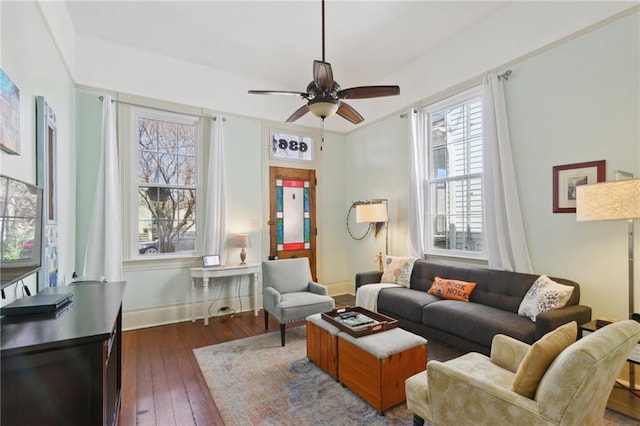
(376, 366)
(322, 344)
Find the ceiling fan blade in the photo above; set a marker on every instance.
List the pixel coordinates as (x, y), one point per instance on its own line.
(298, 113)
(365, 92)
(322, 75)
(346, 111)
(277, 92)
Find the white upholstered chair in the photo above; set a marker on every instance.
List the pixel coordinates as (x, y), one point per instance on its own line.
(476, 390)
(289, 294)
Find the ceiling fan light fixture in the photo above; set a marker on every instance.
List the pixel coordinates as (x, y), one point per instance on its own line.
(323, 109)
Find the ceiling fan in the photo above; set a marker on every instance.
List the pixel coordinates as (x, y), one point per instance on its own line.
(325, 97)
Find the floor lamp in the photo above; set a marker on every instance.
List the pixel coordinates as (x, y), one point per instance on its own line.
(619, 200)
(375, 212)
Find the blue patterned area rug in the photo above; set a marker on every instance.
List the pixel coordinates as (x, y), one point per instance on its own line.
(255, 381)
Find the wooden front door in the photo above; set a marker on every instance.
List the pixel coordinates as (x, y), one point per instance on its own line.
(292, 214)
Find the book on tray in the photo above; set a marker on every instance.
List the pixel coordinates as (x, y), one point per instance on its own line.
(357, 320)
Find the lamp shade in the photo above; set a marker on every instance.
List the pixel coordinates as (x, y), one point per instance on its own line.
(323, 109)
(617, 200)
(243, 240)
(371, 213)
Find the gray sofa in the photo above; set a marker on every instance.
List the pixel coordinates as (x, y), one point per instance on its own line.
(492, 308)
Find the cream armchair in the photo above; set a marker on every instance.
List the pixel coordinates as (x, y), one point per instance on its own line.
(289, 294)
(474, 389)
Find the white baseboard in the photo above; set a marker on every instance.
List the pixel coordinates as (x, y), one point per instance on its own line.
(343, 287)
(143, 318)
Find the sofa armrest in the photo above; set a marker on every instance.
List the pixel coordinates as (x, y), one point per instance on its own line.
(550, 320)
(369, 277)
(508, 352)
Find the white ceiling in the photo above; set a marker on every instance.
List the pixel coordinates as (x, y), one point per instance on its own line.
(277, 41)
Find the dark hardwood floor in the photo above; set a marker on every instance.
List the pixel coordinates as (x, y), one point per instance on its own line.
(161, 381)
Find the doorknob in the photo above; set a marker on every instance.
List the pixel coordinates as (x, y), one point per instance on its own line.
(271, 222)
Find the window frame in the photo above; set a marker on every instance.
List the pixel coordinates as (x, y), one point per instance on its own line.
(131, 185)
(431, 178)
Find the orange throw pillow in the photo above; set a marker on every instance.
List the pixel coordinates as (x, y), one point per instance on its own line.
(451, 289)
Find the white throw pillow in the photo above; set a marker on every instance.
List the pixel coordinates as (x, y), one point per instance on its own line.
(397, 270)
(544, 295)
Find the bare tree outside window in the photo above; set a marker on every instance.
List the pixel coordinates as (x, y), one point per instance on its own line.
(167, 179)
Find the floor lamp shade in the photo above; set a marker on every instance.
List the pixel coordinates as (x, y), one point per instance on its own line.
(619, 200)
(371, 213)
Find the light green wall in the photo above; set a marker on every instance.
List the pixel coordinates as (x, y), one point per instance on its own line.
(246, 160)
(88, 127)
(578, 101)
(377, 167)
(30, 58)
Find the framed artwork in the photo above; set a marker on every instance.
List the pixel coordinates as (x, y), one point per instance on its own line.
(10, 116)
(567, 177)
(46, 177)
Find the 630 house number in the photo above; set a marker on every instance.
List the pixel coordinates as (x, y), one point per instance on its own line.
(291, 145)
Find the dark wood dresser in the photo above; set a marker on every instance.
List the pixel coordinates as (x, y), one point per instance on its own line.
(64, 368)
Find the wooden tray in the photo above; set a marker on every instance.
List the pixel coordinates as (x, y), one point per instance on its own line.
(383, 322)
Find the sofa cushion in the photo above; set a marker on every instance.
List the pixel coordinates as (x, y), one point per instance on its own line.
(477, 323)
(451, 289)
(397, 270)
(500, 289)
(405, 303)
(540, 356)
(544, 295)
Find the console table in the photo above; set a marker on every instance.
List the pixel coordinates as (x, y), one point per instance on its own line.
(254, 270)
(65, 368)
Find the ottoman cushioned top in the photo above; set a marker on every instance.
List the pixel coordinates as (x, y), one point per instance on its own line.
(316, 319)
(382, 345)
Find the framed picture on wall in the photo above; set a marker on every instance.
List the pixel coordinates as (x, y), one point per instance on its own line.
(567, 177)
(10, 120)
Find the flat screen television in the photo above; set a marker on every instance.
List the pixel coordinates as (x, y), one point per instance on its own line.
(20, 230)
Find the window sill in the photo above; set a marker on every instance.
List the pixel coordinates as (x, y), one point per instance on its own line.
(457, 257)
(161, 262)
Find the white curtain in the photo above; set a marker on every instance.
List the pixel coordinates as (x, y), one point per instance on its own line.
(504, 232)
(103, 256)
(417, 173)
(215, 197)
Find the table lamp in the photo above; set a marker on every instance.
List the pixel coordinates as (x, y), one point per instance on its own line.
(243, 241)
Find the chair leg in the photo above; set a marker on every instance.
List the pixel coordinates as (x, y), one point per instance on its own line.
(266, 320)
(282, 328)
(417, 420)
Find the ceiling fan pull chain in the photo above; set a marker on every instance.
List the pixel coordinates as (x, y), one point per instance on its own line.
(321, 134)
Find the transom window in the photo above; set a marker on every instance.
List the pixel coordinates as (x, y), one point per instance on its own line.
(454, 189)
(167, 181)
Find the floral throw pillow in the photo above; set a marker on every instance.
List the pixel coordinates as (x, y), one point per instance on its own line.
(397, 270)
(544, 295)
